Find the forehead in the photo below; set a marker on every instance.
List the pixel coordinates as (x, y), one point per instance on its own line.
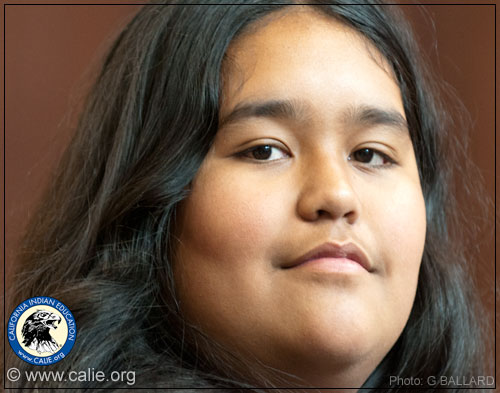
(299, 50)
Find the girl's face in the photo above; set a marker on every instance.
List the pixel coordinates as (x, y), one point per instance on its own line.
(312, 151)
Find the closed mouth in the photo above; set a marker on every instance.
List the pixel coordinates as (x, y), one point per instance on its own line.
(330, 250)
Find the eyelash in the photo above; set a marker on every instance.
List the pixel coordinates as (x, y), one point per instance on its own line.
(387, 161)
(246, 153)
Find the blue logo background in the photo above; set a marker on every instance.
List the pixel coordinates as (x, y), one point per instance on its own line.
(40, 301)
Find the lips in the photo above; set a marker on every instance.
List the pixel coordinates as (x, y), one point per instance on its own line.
(332, 250)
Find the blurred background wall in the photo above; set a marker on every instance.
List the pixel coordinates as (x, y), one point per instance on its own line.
(52, 53)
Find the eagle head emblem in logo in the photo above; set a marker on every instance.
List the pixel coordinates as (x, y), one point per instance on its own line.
(36, 331)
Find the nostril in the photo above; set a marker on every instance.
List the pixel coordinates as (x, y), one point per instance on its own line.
(350, 216)
(323, 213)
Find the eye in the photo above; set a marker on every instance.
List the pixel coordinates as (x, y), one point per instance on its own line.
(372, 157)
(264, 153)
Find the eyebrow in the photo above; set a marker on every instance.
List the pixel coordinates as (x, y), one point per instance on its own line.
(295, 110)
(372, 116)
(274, 109)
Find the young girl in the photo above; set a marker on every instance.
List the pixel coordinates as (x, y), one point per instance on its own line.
(257, 197)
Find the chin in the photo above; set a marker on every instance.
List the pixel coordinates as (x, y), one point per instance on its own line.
(340, 341)
(345, 361)
(341, 345)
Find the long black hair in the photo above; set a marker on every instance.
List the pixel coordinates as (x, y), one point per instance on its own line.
(101, 241)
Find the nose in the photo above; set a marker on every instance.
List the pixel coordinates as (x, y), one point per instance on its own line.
(327, 191)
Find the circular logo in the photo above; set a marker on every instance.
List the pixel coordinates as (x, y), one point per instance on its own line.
(41, 331)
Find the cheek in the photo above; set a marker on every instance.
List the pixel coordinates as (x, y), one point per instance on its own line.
(227, 219)
(403, 227)
(226, 229)
(399, 228)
